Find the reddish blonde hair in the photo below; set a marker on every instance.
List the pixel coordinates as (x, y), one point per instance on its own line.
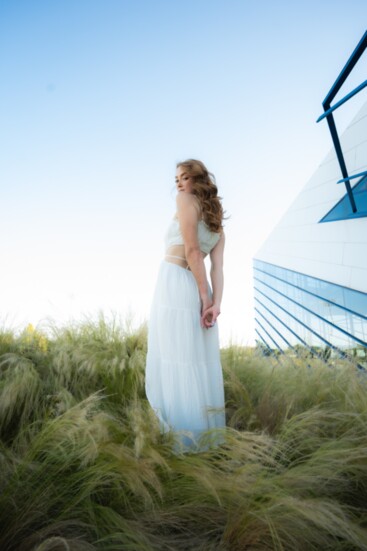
(205, 189)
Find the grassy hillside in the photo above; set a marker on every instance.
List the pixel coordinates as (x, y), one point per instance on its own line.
(84, 467)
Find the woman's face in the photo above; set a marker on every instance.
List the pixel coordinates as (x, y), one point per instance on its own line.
(184, 182)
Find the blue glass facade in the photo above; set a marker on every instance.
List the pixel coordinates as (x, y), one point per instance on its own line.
(295, 309)
(343, 210)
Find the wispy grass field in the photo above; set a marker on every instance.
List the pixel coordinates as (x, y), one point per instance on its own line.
(84, 467)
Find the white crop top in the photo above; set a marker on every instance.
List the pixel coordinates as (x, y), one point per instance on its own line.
(207, 238)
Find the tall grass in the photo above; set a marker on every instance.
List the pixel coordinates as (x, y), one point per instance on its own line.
(83, 465)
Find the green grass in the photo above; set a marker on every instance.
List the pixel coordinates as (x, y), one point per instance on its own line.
(84, 467)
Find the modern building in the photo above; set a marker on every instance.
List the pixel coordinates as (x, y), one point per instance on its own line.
(310, 275)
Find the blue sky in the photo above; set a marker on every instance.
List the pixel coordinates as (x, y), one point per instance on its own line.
(100, 99)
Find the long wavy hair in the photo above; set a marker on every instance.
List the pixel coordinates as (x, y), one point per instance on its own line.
(205, 189)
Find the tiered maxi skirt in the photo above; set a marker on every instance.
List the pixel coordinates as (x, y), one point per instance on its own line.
(184, 381)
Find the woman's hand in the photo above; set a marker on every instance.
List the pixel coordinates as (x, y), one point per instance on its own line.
(209, 316)
(206, 303)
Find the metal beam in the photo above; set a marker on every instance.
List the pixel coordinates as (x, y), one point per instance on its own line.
(347, 69)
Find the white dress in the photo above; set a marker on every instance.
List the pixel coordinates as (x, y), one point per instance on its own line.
(184, 381)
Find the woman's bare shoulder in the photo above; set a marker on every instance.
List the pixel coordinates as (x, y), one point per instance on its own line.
(185, 200)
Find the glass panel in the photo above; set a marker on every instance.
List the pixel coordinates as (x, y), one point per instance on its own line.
(343, 209)
(336, 294)
(336, 315)
(295, 309)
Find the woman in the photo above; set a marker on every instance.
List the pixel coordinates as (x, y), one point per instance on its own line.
(184, 382)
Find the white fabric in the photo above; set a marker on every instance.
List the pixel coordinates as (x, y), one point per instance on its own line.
(207, 239)
(184, 382)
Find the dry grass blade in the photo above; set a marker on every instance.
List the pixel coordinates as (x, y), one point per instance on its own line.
(83, 465)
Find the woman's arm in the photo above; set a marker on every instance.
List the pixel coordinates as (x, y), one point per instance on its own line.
(209, 316)
(188, 216)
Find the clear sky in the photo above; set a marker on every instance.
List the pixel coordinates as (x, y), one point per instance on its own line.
(100, 99)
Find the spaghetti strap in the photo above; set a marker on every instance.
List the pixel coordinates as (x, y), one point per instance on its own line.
(174, 256)
(179, 258)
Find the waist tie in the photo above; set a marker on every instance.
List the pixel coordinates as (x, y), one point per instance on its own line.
(178, 258)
